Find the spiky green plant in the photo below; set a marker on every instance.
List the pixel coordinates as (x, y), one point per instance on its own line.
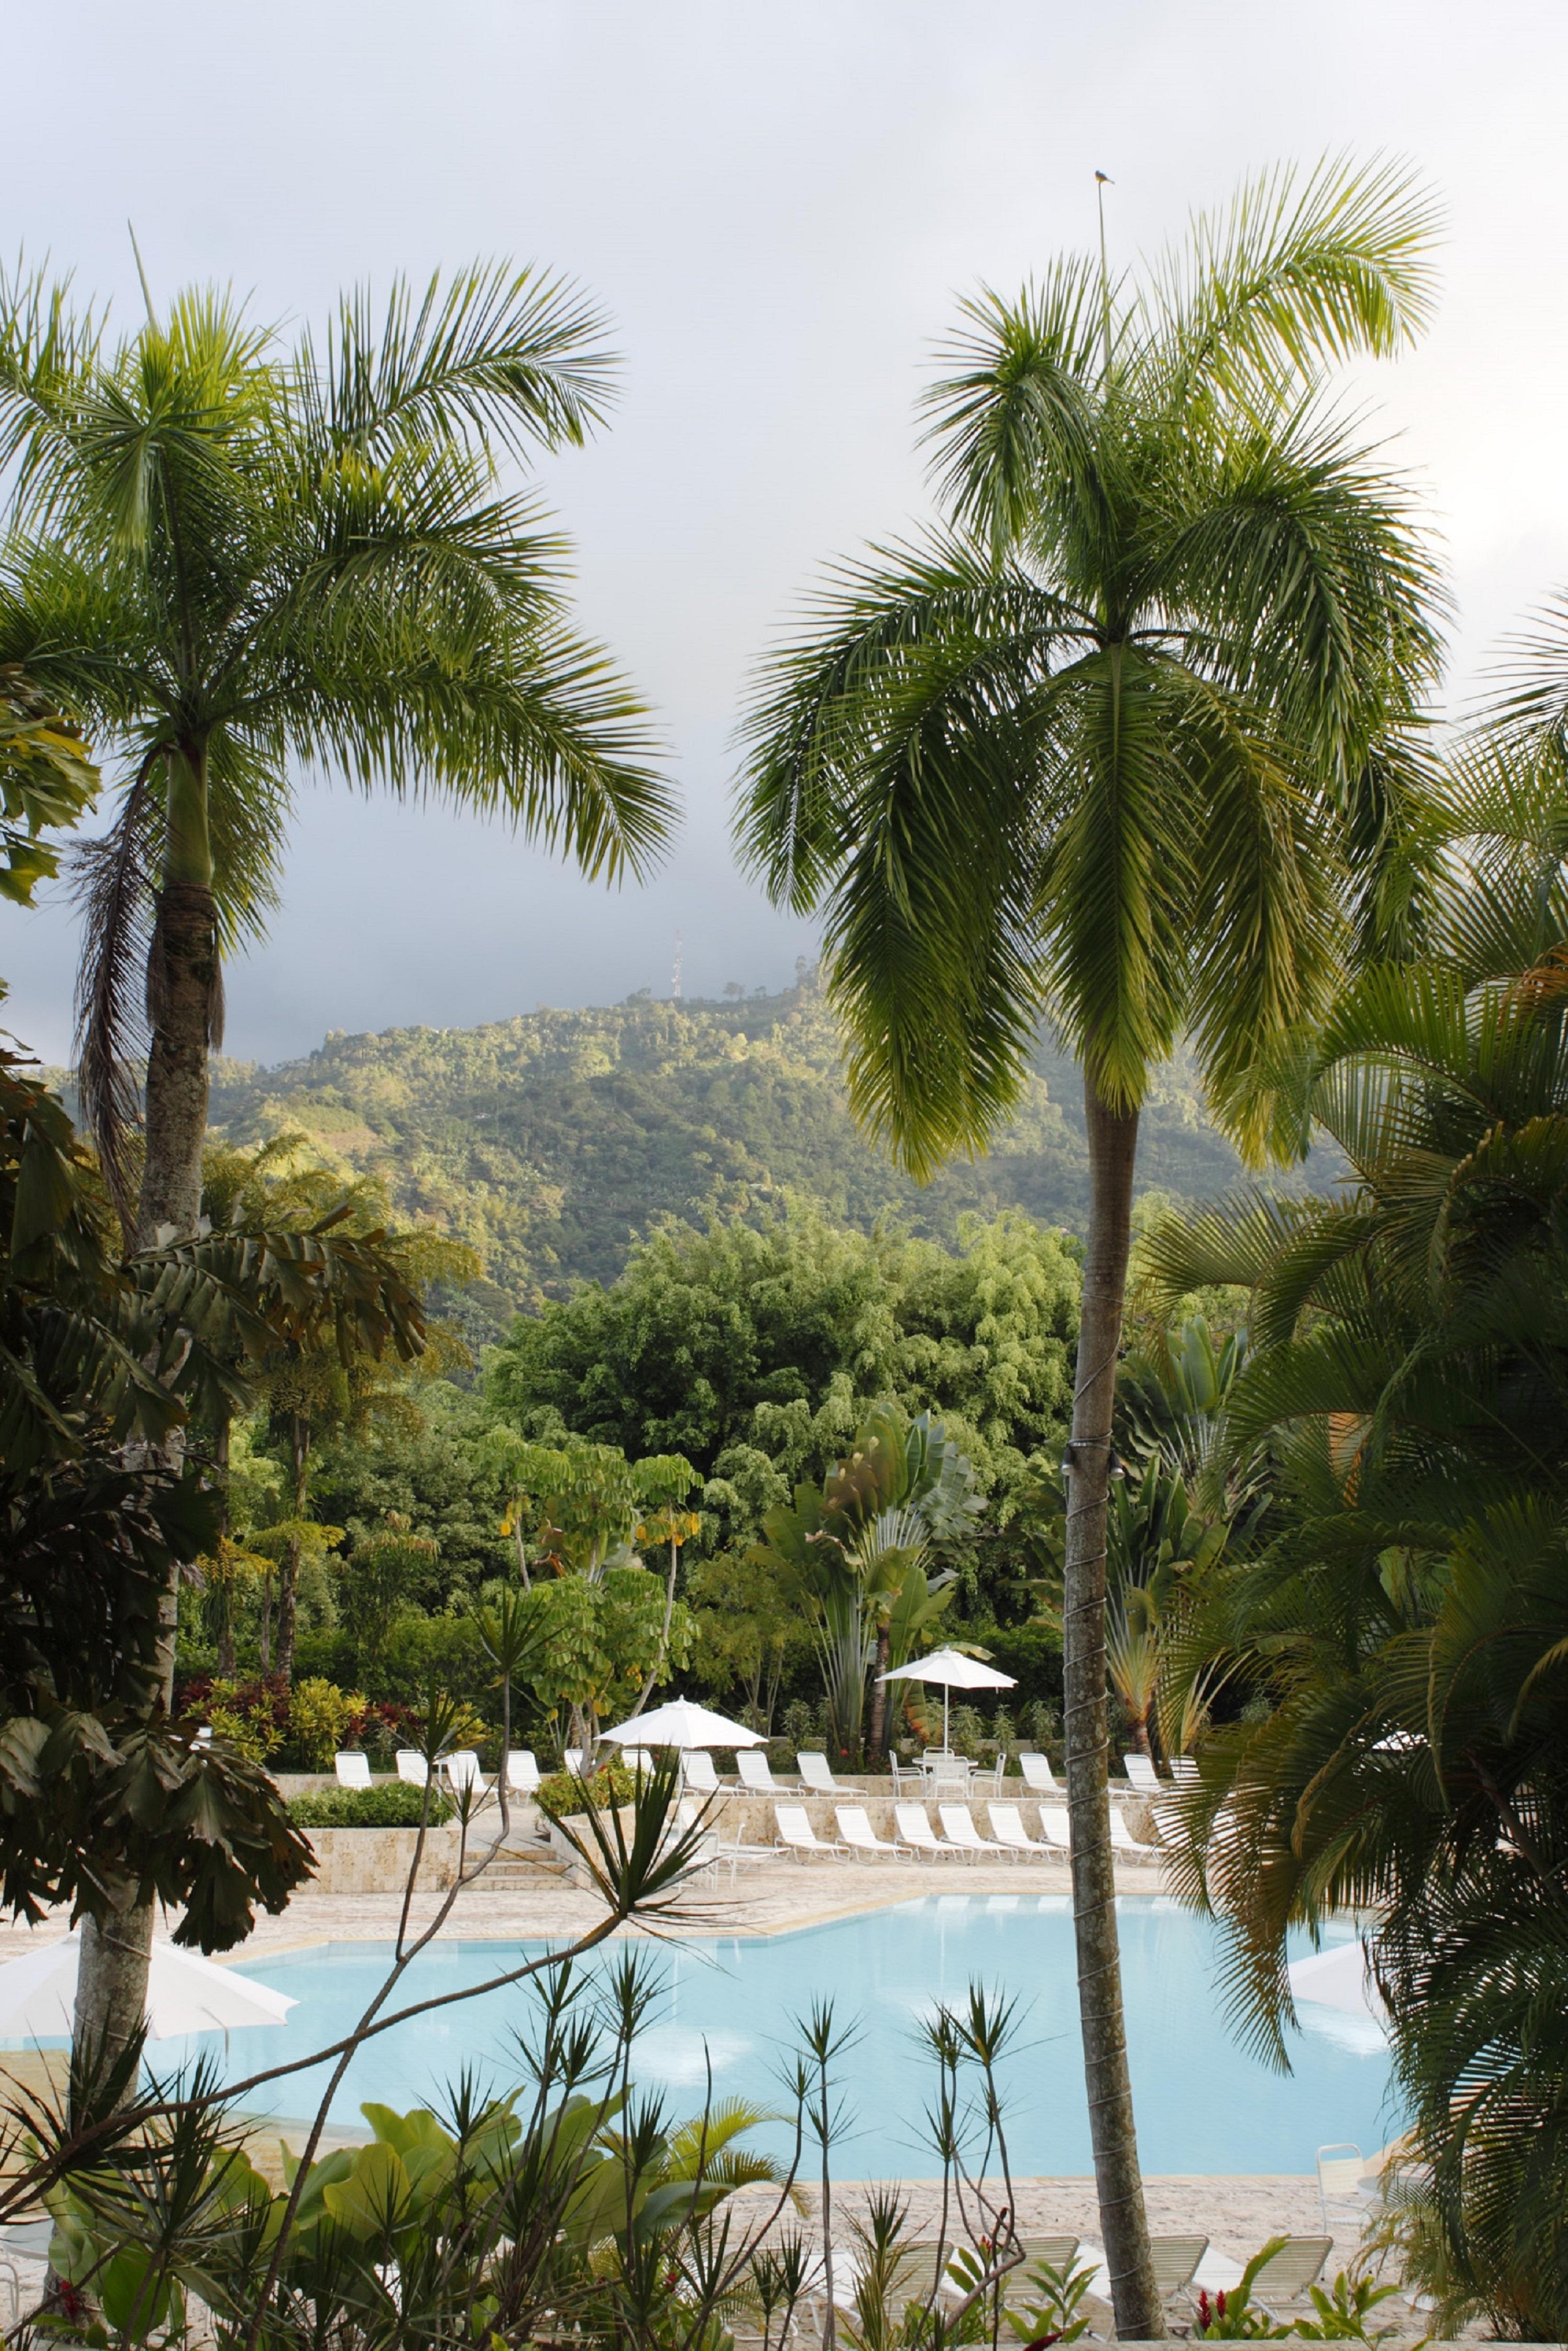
(1407, 1634)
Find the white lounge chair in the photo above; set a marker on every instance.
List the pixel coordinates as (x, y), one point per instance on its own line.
(958, 1828)
(697, 1772)
(522, 1770)
(1141, 1776)
(855, 1828)
(1176, 2263)
(353, 1769)
(1050, 2252)
(1122, 1839)
(1038, 1776)
(1007, 1828)
(913, 1827)
(638, 1760)
(1184, 1770)
(817, 1778)
(571, 1760)
(1054, 1823)
(463, 1772)
(756, 1774)
(1296, 2266)
(412, 1767)
(793, 1824)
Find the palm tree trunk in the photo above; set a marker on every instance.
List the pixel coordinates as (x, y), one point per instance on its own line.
(877, 1745)
(1123, 2222)
(183, 1001)
(223, 1446)
(288, 1576)
(185, 998)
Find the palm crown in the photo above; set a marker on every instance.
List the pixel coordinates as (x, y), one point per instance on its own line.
(1102, 744)
(231, 561)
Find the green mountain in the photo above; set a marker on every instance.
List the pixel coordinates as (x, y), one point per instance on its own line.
(551, 1141)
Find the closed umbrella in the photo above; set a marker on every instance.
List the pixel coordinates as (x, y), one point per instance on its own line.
(954, 1671)
(681, 1724)
(186, 1993)
(1338, 1978)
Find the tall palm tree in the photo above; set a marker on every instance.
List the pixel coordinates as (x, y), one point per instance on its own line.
(230, 561)
(1102, 747)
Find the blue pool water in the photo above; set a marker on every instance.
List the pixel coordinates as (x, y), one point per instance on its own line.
(1203, 2103)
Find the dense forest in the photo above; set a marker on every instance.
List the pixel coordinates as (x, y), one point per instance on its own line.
(551, 1141)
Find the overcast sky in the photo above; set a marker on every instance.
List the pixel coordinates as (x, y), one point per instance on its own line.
(779, 208)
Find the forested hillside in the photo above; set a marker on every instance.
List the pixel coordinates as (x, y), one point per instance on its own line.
(549, 1141)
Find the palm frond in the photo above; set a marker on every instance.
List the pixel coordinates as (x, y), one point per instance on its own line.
(1017, 425)
(1298, 271)
(504, 357)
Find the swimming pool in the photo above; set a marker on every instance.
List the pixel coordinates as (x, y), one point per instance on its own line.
(1203, 2103)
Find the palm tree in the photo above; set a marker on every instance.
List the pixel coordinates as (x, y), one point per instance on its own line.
(1101, 748)
(228, 561)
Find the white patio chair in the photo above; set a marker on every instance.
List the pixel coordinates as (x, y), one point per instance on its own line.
(638, 1760)
(1141, 1776)
(697, 1773)
(1038, 1776)
(463, 1772)
(958, 1827)
(1055, 1824)
(1007, 1828)
(1123, 1841)
(522, 1770)
(817, 1778)
(571, 1760)
(353, 1769)
(855, 1828)
(942, 1769)
(793, 1824)
(412, 1767)
(756, 1774)
(915, 1828)
(1340, 2170)
(1184, 1770)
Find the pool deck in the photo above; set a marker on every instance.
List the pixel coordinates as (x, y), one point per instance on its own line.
(777, 1898)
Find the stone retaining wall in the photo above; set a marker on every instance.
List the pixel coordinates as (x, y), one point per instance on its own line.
(377, 1861)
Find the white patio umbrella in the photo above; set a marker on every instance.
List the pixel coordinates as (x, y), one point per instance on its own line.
(681, 1724)
(954, 1671)
(1338, 1978)
(186, 1993)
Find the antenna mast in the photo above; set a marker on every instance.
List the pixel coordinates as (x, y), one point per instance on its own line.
(675, 972)
(1102, 182)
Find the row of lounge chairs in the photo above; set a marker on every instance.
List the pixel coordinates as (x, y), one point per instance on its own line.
(959, 1837)
(756, 1775)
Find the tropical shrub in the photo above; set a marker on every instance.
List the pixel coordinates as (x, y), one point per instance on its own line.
(398, 1805)
(319, 1713)
(610, 1783)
